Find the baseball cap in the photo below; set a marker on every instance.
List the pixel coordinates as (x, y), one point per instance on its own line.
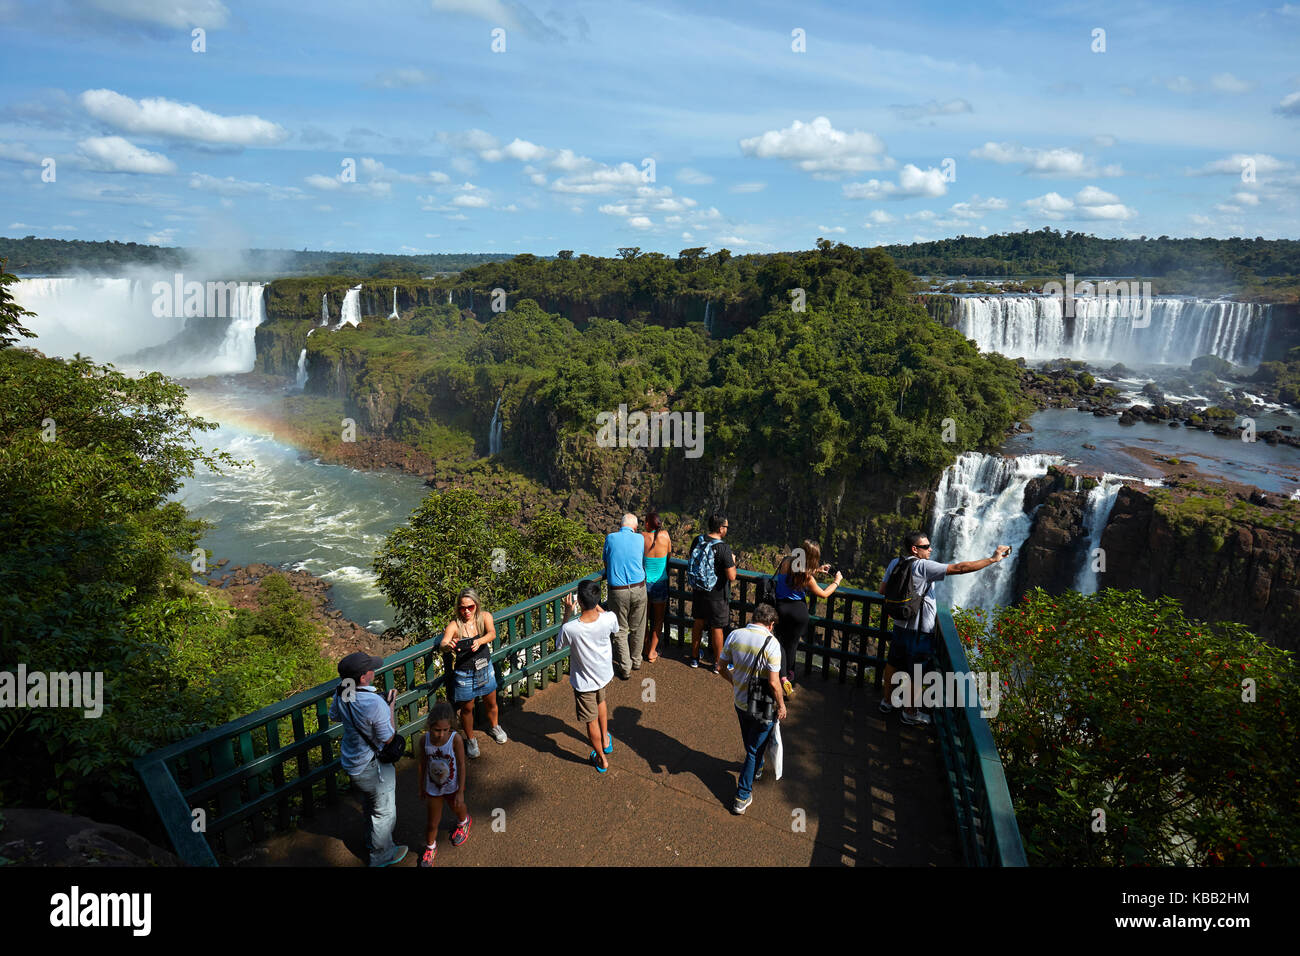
(357, 663)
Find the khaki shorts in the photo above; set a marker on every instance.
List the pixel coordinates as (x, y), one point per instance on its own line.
(588, 701)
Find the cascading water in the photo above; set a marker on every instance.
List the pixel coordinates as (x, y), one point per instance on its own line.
(139, 325)
(449, 297)
(708, 319)
(394, 315)
(494, 430)
(302, 369)
(1111, 328)
(350, 314)
(980, 505)
(1096, 512)
(324, 309)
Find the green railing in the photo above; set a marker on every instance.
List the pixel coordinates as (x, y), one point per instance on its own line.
(223, 790)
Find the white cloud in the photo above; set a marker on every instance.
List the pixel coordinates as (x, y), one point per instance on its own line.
(229, 186)
(1246, 199)
(818, 147)
(976, 207)
(640, 222)
(1227, 83)
(378, 172)
(693, 177)
(1234, 164)
(17, 225)
(1044, 162)
(932, 108)
(19, 153)
(1290, 105)
(518, 149)
(600, 178)
(831, 229)
(331, 183)
(470, 201)
(1180, 84)
(475, 139)
(493, 11)
(746, 187)
(162, 237)
(1089, 203)
(879, 217)
(181, 14)
(912, 181)
(161, 117)
(113, 154)
(735, 241)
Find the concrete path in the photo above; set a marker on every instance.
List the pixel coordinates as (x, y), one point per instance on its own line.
(859, 788)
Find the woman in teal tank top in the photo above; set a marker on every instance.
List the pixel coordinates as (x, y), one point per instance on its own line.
(658, 546)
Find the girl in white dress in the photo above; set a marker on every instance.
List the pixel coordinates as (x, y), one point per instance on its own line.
(442, 774)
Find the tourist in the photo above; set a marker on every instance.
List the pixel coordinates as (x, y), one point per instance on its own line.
(913, 643)
(795, 576)
(751, 652)
(442, 774)
(658, 546)
(591, 666)
(368, 725)
(469, 636)
(625, 573)
(712, 568)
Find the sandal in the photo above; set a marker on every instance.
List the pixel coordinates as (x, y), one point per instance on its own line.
(609, 744)
(595, 762)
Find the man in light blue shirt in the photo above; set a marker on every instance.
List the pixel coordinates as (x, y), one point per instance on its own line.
(625, 573)
(368, 721)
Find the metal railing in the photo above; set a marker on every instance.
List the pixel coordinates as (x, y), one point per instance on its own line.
(221, 791)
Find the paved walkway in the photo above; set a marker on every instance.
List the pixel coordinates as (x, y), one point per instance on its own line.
(866, 789)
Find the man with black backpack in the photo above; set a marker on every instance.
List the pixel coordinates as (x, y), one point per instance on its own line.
(368, 730)
(908, 588)
(711, 568)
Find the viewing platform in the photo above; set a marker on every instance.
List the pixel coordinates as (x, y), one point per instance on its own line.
(859, 787)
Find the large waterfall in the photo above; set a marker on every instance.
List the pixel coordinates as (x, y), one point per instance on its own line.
(1111, 329)
(394, 315)
(980, 505)
(118, 320)
(350, 314)
(494, 430)
(302, 369)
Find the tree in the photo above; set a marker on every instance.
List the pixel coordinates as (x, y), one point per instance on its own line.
(629, 252)
(11, 313)
(564, 255)
(692, 255)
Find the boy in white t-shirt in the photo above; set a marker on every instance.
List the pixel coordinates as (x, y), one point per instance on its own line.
(591, 665)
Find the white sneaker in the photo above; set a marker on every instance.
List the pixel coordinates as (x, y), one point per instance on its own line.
(471, 748)
(497, 734)
(919, 719)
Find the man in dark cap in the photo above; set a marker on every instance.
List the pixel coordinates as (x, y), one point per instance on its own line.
(369, 722)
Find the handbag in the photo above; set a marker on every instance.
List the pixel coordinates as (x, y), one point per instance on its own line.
(762, 702)
(390, 752)
(767, 586)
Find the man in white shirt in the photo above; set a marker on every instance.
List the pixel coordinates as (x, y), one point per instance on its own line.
(750, 652)
(591, 665)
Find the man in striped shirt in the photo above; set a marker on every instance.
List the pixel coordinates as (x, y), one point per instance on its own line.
(749, 651)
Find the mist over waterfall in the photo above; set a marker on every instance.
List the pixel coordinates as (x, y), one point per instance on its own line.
(1107, 328)
(350, 314)
(1096, 512)
(302, 369)
(980, 505)
(116, 320)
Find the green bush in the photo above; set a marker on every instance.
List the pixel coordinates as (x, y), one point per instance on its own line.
(1116, 702)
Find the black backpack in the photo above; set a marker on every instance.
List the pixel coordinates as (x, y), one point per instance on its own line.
(767, 586)
(902, 599)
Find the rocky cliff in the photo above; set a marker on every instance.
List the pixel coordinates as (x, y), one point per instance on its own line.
(1226, 552)
(1053, 554)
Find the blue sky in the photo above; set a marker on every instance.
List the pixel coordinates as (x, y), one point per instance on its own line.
(664, 125)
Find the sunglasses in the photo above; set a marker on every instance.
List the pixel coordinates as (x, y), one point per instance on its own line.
(468, 607)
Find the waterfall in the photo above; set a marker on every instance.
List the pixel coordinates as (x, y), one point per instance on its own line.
(394, 315)
(1096, 512)
(324, 308)
(449, 297)
(980, 505)
(350, 313)
(494, 430)
(1035, 327)
(140, 325)
(302, 369)
(708, 320)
